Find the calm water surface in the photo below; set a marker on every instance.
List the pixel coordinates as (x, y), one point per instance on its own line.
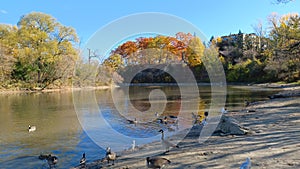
(59, 131)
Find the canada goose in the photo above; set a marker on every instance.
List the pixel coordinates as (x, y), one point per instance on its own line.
(83, 160)
(246, 103)
(174, 121)
(110, 156)
(173, 117)
(157, 162)
(52, 160)
(164, 120)
(43, 156)
(166, 144)
(31, 128)
(251, 110)
(132, 121)
(246, 164)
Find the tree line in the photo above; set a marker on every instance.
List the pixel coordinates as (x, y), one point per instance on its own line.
(268, 55)
(39, 52)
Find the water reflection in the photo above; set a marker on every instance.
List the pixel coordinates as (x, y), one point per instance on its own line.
(59, 131)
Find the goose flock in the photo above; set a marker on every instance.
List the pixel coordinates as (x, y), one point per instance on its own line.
(151, 162)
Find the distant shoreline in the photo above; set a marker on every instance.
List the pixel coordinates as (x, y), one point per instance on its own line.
(288, 86)
(64, 89)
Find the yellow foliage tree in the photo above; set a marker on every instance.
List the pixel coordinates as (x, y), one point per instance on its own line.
(195, 51)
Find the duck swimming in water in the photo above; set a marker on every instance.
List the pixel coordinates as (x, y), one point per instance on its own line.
(31, 128)
(83, 160)
(132, 121)
(164, 120)
(52, 160)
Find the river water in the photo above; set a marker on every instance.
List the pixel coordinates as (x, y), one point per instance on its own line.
(60, 131)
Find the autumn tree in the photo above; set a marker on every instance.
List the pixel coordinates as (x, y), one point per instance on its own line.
(44, 50)
(283, 51)
(185, 38)
(195, 51)
(114, 62)
(183, 48)
(7, 41)
(164, 49)
(6, 67)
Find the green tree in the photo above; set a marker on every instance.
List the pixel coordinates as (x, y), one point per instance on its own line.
(45, 50)
(7, 61)
(7, 41)
(284, 55)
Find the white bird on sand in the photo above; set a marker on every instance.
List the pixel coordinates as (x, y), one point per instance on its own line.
(157, 162)
(31, 128)
(166, 144)
(246, 164)
(224, 110)
(133, 145)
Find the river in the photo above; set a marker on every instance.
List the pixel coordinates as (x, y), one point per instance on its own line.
(61, 133)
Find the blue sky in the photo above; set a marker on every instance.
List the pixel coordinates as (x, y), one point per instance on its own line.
(212, 17)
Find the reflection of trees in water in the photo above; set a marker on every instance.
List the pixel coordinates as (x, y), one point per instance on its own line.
(139, 98)
(52, 113)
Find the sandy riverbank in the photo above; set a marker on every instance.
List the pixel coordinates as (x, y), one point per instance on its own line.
(275, 142)
(70, 88)
(63, 89)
